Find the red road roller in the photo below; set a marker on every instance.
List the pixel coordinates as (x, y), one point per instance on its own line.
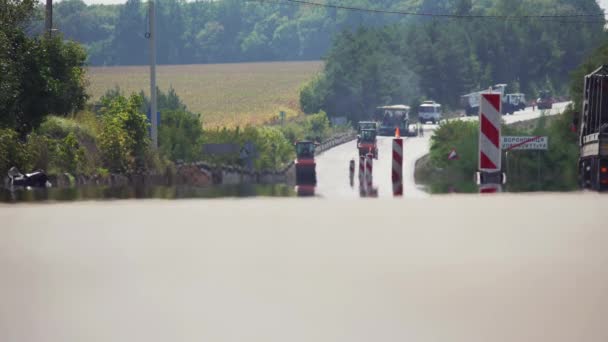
(305, 163)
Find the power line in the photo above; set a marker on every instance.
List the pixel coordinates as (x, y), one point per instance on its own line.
(543, 17)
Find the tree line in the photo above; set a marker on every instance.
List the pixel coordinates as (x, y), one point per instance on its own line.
(210, 31)
(445, 59)
(46, 122)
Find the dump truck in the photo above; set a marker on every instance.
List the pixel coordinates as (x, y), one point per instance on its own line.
(367, 142)
(306, 173)
(393, 117)
(429, 111)
(470, 102)
(513, 102)
(593, 132)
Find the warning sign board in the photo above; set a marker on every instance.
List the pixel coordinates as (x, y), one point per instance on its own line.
(525, 143)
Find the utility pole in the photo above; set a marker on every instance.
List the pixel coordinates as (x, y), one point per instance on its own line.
(48, 18)
(153, 110)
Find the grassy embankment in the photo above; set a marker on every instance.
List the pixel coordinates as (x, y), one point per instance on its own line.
(551, 170)
(225, 94)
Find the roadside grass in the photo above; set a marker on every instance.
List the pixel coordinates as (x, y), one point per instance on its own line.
(551, 170)
(225, 94)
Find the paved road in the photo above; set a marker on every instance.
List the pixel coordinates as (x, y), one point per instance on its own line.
(333, 169)
(422, 270)
(528, 113)
(332, 166)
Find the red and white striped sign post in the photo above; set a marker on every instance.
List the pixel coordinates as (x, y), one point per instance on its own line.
(361, 168)
(397, 172)
(369, 168)
(489, 177)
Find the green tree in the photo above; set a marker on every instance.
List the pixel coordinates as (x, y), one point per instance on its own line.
(129, 46)
(124, 138)
(40, 75)
(180, 135)
(70, 156)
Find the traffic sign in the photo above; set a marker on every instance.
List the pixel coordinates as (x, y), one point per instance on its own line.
(453, 155)
(525, 143)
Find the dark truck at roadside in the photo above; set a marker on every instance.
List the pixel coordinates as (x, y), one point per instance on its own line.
(545, 100)
(593, 132)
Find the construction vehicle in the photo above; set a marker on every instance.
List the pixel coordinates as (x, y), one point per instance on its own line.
(305, 190)
(593, 132)
(366, 125)
(429, 111)
(545, 100)
(306, 173)
(367, 143)
(513, 102)
(470, 101)
(393, 117)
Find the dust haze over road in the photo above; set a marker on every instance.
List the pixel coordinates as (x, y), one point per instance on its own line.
(421, 270)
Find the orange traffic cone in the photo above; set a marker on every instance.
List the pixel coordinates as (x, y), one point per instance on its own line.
(397, 133)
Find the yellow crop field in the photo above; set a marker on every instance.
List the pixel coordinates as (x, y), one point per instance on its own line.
(225, 94)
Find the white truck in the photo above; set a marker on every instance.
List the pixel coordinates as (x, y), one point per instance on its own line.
(429, 111)
(513, 102)
(470, 102)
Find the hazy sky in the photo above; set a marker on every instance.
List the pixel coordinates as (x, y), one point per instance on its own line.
(603, 3)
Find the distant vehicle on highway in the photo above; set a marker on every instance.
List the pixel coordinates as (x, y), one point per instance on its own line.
(513, 102)
(429, 111)
(366, 125)
(367, 142)
(545, 100)
(393, 117)
(470, 101)
(306, 173)
(593, 132)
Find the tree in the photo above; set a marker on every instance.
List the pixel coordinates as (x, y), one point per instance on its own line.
(124, 140)
(40, 75)
(129, 46)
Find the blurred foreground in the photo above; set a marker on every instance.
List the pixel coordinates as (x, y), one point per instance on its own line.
(454, 268)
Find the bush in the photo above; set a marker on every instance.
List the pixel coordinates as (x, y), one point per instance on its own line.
(273, 148)
(180, 135)
(61, 135)
(463, 137)
(70, 156)
(12, 152)
(311, 95)
(293, 132)
(317, 126)
(552, 170)
(55, 127)
(39, 149)
(124, 141)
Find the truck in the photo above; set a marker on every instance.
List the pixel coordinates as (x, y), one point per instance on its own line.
(367, 142)
(470, 102)
(593, 132)
(513, 102)
(545, 100)
(393, 117)
(366, 125)
(305, 165)
(429, 111)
